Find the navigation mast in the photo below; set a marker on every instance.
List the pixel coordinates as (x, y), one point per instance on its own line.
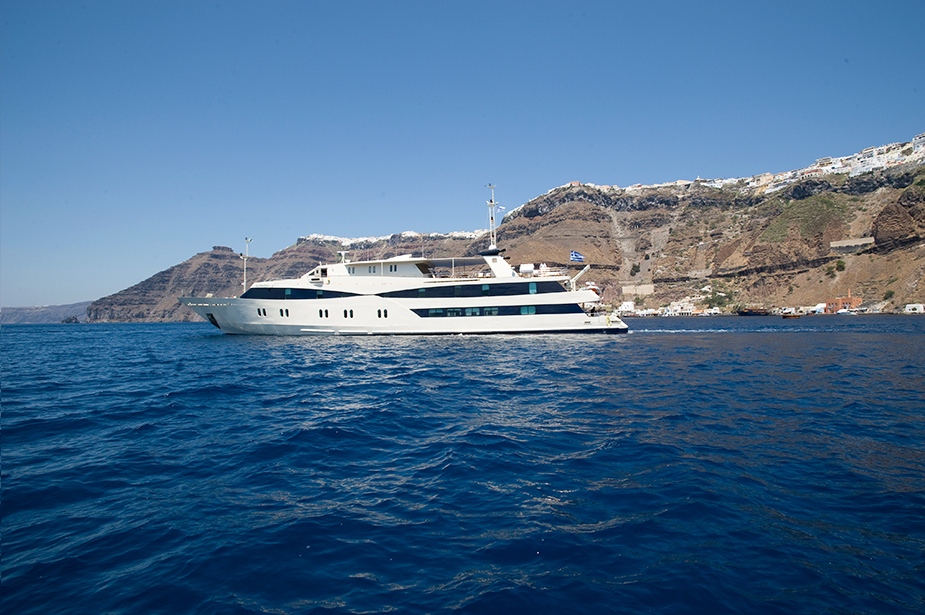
(492, 204)
(245, 256)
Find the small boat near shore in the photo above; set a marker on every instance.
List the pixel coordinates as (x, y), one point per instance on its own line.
(754, 312)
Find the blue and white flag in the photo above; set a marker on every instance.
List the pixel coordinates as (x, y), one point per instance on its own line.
(576, 257)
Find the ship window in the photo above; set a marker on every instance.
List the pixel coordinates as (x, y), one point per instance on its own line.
(385, 313)
(319, 294)
(457, 291)
(485, 290)
(345, 313)
(320, 313)
(351, 313)
(326, 314)
(324, 272)
(435, 312)
(454, 312)
(280, 312)
(490, 311)
(287, 312)
(532, 288)
(379, 313)
(528, 309)
(473, 311)
(258, 311)
(421, 293)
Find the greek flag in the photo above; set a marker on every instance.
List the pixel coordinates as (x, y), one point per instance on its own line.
(576, 257)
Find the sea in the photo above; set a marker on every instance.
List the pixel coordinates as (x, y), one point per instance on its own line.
(694, 465)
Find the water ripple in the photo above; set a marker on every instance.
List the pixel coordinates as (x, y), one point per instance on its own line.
(727, 465)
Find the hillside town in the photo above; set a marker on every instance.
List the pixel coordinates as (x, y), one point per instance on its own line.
(866, 161)
(849, 306)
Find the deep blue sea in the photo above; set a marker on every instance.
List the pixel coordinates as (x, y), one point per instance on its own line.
(695, 465)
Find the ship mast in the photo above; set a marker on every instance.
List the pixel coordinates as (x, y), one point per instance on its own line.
(492, 204)
(245, 256)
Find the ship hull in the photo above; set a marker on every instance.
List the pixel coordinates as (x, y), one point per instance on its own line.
(372, 315)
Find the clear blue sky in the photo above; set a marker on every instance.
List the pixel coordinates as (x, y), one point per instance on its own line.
(136, 134)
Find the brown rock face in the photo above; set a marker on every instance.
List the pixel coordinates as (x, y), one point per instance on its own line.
(893, 223)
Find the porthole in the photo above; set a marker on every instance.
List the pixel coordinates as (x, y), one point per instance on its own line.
(385, 313)
(281, 312)
(320, 313)
(345, 313)
(351, 313)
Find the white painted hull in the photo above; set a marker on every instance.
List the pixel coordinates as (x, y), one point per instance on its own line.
(375, 315)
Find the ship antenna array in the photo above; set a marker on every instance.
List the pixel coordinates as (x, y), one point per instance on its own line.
(492, 204)
(245, 256)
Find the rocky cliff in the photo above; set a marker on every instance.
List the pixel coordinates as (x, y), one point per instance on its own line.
(772, 249)
(44, 314)
(738, 241)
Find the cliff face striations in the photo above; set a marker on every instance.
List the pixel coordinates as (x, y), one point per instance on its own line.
(798, 245)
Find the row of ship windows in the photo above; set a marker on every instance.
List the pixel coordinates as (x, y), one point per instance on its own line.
(263, 312)
(473, 291)
(523, 310)
(369, 269)
(468, 290)
(488, 311)
(284, 312)
(512, 310)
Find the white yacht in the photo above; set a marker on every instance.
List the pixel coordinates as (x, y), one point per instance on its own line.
(408, 295)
